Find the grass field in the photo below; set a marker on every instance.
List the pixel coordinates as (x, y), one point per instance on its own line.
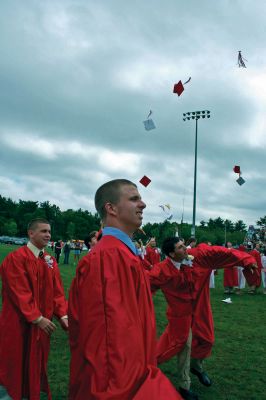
(237, 362)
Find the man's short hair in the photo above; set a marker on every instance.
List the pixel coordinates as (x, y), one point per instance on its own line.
(168, 245)
(32, 225)
(89, 237)
(109, 192)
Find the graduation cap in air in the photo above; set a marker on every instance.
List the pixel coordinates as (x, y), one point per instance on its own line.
(166, 209)
(240, 181)
(237, 170)
(179, 87)
(145, 181)
(148, 123)
(241, 60)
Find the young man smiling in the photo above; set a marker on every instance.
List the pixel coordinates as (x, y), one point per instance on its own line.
(32, 294)
(111, 317)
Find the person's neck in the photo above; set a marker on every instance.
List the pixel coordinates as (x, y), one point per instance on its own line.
(174, 261)
(37, 245)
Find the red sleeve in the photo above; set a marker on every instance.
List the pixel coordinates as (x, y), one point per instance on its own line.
(160, 275)
(147, 256)
(216, 257)
(73, 303)
(60, 303)
(146, 265)
(73, 314)
(18, 286)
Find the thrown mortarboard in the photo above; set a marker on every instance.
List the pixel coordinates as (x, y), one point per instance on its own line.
(179, 87)
(166, 209)
(241, 60)
(149, 124)
(228, 300)
(236, 169)
(145, 181)
(240, 181)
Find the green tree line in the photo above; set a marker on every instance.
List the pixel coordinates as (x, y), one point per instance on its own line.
(69, 224)
(76, 224)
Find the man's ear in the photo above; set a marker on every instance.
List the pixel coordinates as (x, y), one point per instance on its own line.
(110, 209)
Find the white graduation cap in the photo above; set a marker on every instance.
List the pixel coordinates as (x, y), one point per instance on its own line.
(228, 300)
(149, 124)
(166, 209)
(240, 181)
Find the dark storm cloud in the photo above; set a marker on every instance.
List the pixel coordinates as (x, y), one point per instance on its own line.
(79, 77)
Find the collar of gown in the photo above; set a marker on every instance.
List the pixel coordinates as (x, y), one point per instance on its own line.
(176, 264)
(186, 262)
(120, 235)
(34, 249)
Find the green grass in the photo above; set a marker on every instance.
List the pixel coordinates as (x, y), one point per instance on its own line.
(237, 362)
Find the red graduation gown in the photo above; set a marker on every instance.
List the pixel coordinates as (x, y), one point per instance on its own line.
(202, 326)
(30, 288)
(152, 255)
(187, 294)
(202, 322)
(112, 329)
(230, 277)
(177, 287)
(256, 254)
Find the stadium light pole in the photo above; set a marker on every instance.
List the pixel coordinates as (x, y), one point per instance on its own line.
(195, 115)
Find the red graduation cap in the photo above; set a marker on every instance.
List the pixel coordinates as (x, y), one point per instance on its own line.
(236, 169)
(145, 181)
(178, 88)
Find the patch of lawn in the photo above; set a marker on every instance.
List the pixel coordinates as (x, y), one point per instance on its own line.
(236, 365)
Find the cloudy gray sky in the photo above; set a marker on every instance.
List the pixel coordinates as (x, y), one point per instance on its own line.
(78, 78)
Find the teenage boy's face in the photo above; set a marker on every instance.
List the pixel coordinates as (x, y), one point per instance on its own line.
(180, 252)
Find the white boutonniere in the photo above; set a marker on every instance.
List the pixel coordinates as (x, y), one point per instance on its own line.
(188, 261)
(49, 261)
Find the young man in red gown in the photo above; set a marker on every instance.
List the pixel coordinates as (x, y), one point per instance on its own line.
(230, 276)
(32, 293)
(111, 317)
(185, 284)
(152, 253)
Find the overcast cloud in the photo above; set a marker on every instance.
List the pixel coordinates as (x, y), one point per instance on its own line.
(78, 78)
